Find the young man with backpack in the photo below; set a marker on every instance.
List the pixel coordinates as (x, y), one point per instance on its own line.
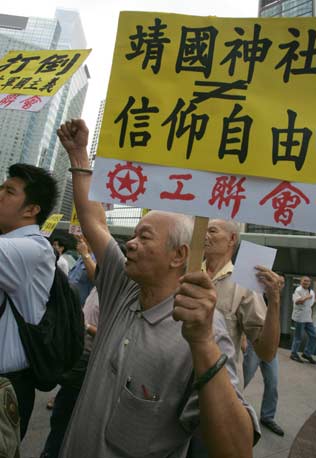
(27, 266)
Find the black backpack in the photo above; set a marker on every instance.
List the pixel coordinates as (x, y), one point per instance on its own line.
(55, 344)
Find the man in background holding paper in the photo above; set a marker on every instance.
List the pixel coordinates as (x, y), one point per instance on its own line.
(245, 310)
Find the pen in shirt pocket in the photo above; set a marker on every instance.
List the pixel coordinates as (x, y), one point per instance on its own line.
(148, 396)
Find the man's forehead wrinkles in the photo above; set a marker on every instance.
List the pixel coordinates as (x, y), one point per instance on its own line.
(145, 226)
(213, 226)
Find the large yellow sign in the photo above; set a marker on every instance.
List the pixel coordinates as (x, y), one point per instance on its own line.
(39, 72)
(225, 95)
(74, 226)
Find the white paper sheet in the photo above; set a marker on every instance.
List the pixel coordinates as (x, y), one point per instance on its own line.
(249, 256)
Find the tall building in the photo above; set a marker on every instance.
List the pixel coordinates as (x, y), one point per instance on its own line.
(67, 201)
(20, 133)
(31, 137)
(96, 133)
(286, 8)
(70, 104)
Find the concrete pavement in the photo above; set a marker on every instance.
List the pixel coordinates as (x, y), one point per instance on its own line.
(297, 401)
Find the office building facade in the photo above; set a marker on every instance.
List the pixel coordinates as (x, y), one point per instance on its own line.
(286, 8)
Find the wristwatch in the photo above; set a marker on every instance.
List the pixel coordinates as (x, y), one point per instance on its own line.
(86, 256)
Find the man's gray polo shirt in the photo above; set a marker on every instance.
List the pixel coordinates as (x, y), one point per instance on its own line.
(136, 399)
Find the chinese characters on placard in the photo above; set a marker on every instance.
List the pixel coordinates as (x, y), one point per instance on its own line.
(57, 64)
(289, 140)
(127, 183)
(25, 103)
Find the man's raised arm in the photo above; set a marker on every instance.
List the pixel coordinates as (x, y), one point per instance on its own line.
(74, 138)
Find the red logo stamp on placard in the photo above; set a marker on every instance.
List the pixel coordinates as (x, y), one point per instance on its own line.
(126, 182)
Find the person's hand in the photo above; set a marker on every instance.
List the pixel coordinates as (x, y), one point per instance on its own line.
(74, 138)
(271, 283)
(82, 246)
(194, 304)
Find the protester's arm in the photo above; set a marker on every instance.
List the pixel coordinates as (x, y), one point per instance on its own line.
(88, 261)
(297, 297)
(74, 137)
(225, 423)
(90, 266)
(267, 344)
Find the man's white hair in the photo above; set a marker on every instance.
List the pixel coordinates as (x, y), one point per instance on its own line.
(180, 228)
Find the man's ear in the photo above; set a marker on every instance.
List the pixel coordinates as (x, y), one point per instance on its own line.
(233, 238)
(31, 210)
(180, 257)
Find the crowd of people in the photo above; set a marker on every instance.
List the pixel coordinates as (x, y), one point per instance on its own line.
(167, 352)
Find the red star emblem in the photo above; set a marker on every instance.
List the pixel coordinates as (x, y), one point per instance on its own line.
(126, 182)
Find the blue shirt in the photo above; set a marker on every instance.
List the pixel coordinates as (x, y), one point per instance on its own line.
(27, 266)
(78, 277)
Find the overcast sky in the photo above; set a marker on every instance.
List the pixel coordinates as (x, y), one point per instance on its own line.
(99, 19)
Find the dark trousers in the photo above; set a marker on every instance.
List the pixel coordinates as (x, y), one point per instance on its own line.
(64, 404)
(23, 385)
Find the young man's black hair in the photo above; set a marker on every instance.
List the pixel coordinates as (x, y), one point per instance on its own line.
(61, 242)
(40, 188)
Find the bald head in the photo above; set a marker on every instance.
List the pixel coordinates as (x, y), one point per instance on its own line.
(305, 282)
(158, 252)
(222, 239)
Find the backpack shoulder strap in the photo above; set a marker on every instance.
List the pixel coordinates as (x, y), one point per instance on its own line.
(18, 317)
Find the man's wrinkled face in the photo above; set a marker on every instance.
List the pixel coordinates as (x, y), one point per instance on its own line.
(12, 203)
(147, 253)
(218, 239)
(306, 282)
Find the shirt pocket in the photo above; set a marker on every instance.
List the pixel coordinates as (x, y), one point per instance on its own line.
(232, 325)
(137, 427)
(133, 424)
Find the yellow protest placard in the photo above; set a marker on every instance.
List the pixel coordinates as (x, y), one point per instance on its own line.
(74, 226)
(39, 72)
(217, 94)
(50, 224)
